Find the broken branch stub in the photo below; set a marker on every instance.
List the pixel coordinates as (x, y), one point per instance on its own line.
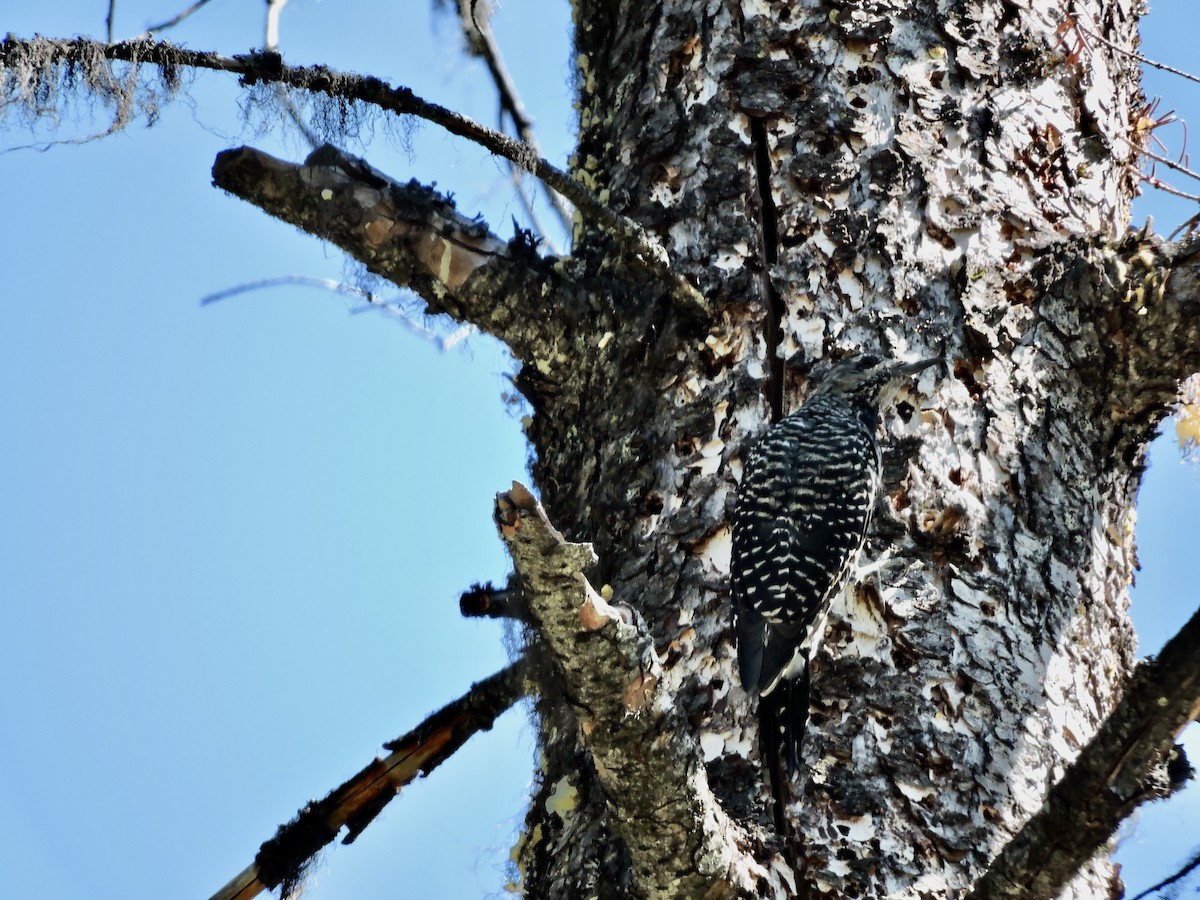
(407, 233)
(644, 755)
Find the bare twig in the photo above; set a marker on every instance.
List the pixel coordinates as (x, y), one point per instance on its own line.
(481, 41)
(1166, 161)
(371, 300)
(271, 45)
(1187, 228)
(306, 280)
(1094, 33)
(443, 342)
(108, 20)
(641, 250)
(1190, 866)
(271, 33)
(355, 804)
(1159, 185)
(1110, 778)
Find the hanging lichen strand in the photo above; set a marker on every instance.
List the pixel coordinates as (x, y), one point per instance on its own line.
(918, 178)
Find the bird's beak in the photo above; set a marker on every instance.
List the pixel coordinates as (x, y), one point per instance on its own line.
(913, 368)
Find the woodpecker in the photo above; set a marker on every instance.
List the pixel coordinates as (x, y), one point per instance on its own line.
(803, 508)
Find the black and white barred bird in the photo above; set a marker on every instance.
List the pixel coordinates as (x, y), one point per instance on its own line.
(804, 504)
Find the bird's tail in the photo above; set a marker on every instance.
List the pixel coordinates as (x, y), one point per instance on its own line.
(769, 735)
(782, 717)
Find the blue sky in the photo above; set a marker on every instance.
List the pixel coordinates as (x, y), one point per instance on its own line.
(233, 536)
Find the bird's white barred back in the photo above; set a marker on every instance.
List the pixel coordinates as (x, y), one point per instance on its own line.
(804, 505)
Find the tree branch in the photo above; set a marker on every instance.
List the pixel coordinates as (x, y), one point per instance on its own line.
(481, 42)
(407, 233)
(641, 249)
(1112, 776)
(1181, 294)
(1188, 867)
(283, 860)
(681, 841)
(174, 20)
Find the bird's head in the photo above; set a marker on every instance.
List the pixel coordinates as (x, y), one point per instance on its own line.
(865, 378)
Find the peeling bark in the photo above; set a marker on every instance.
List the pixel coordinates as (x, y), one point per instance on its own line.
(913, 177)
(917, 178)
(407, 233)
(680, 840)
(1112, 776)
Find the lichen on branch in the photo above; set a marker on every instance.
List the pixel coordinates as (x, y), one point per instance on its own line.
(29, 65)
(408, 233)
(681, 841)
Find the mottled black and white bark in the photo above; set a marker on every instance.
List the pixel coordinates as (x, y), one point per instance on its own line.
(912, 177)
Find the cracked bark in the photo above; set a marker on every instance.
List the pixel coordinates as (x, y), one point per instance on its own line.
(769, 243)
(910, 215)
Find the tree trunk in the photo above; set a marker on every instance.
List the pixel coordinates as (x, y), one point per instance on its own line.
(914, 178)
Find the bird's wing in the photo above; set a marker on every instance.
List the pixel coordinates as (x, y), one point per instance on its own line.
(801, 517)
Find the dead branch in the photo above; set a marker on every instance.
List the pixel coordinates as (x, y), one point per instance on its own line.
(354, 805)
(1159, 158)
(1112, 776)
(174, 20)
(407, 233)
(481, 42)
(1177, 876)
(490, 602)
(642, 251)
(681, 841)
(1164, 291)
(1159, 185)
